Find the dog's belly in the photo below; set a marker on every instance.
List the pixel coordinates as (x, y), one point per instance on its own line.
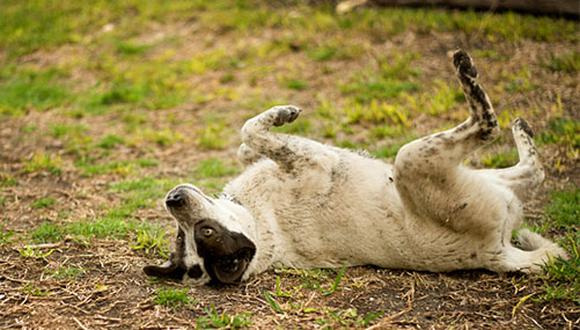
(351, 215)
(354, 240)
(353, 226)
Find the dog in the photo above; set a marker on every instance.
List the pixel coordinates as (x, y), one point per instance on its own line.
(303, 204)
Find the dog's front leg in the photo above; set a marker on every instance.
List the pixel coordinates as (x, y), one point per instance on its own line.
(286, 150)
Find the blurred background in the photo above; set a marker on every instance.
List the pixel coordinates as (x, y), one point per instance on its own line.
(105, 105)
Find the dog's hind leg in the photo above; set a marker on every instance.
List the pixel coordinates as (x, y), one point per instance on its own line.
(426, 170)
(286, 150)
(528, 174)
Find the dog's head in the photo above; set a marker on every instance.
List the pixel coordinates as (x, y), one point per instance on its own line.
(214, 239)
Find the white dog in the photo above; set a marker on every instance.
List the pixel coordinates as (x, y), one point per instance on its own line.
(305, 204)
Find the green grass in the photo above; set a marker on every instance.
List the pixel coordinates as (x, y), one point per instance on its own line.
(387, 131)
(118, 222)
(390, 77)
(5, 235)
(213, 168)
(368, 318)
(33, 290)
(568, 62)
(563, 131)
(59, 130)
(519, 81)
(441, 99)
(501, 159)
(345, 318)
(29, 252)
(377, 112)
(301, 126)
(27, 27)
(75, 137)
(30, 89)
(6, 180)
(212, 136)
(334, 50)
(91, 167)
(43, 202)
(274, 305)
(215, 320)
(564, 208)
(110, 141)
(67, 273)
(106, 227)
(325, 281)
(137, 194)
(136, 185)
(323, 53)
(37, 24)
(131, 48)
(47, 232)
(173, 298)
(335, 284)
(369, 89)
(296, 84)
(42, 162)
(151, 238)
(163, 138)
(561, 280)
(119, 93)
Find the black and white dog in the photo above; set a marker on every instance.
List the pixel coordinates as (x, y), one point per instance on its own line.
(304, 204)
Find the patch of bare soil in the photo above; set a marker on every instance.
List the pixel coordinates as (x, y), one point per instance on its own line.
(114, 293)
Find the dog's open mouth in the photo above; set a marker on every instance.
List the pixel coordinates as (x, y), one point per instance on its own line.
(226, 254)
(229, 269)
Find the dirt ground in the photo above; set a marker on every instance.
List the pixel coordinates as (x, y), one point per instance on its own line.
(109, 289)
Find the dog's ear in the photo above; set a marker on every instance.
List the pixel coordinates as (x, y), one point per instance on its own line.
(168, 270)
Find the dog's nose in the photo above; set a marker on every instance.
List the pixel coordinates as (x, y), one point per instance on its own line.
(175, 199)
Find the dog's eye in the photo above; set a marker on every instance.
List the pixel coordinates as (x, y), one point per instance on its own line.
(207, 232)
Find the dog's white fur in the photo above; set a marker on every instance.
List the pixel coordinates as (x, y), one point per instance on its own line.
(305, 204)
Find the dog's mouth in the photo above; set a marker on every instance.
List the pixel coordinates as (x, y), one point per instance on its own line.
(229, 269)
(226, 254)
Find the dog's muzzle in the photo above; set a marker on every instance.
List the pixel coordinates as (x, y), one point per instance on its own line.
(176, 198)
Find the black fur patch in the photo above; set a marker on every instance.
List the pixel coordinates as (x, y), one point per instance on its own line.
(226, 254)
(462, 61)
(176, 268)
(523, 124)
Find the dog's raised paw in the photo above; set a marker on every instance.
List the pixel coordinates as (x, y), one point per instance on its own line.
(464, 64)
(286, 114)
(522, 124)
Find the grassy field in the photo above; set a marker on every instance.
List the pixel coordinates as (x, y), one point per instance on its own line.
(105, 105)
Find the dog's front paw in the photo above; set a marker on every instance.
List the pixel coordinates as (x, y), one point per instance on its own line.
(285, 114)
(522, 124)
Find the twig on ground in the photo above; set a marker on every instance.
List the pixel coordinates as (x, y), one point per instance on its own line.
(82, 326)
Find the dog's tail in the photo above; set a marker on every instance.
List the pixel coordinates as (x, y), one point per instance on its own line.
(540, 248)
